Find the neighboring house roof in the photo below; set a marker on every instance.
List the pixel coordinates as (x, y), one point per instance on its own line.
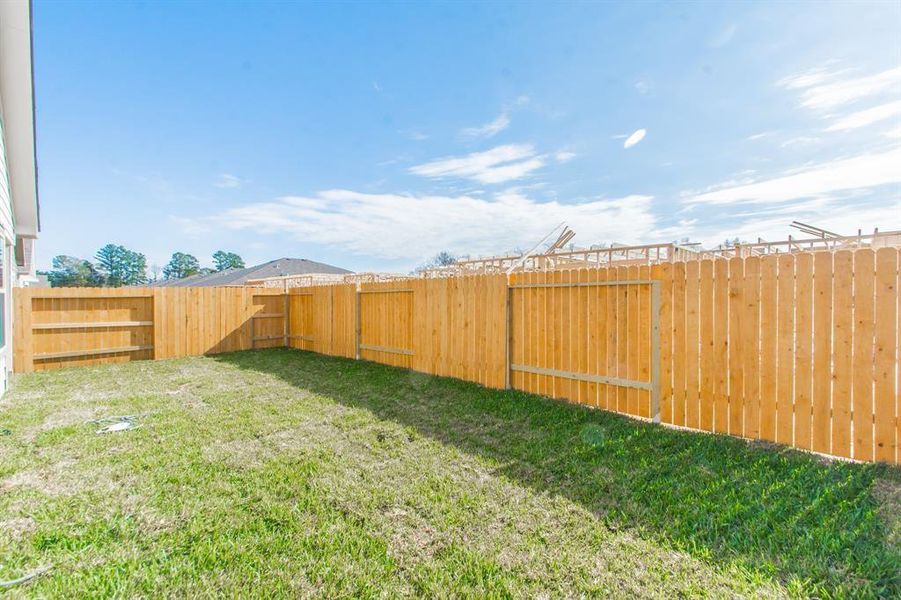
(274, 268)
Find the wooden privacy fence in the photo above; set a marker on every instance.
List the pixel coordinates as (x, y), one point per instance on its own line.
(66, 327)
(800, 349)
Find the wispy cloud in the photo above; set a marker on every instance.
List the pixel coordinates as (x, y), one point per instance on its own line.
(723, 36)
(825, 90)
(489, 129)
(191, 226)
(397, 226)
(869, 116)
(760, 136)
(415, 135)
(840, 214)
(564, 156)
(800, 140)
(635, 138)
(644, 86)
(500, 164)
(859, 172)
(227, 180)
(808, 78)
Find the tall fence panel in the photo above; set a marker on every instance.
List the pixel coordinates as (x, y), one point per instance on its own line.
(343, 315)
(459, 327)
(804, 349)
(85, 326)
(800, 349)
(385, 323)
(560, 340)
(78, 328)
(302, 321)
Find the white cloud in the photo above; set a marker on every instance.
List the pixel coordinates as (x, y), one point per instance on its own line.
(825, 90)
(397, 226)
(489, 129)
(564, 156)
(866, 117)
(229, 181)
(635, 138)
(500, 164)
(894, 133)
(859, 172)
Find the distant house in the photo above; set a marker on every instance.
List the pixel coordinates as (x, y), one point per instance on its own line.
(281, 267)
(19, 224)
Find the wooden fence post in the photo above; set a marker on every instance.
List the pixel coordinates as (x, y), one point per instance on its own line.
(655, 351)
(154, 310)
(358, 325)
(287, 317)
(508, 353)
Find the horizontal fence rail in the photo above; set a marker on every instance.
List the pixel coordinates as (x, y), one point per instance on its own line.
(800, 349)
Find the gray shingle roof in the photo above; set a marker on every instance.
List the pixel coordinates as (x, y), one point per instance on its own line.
(274, 268)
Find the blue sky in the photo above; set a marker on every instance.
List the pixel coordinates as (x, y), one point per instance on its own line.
(372, 136)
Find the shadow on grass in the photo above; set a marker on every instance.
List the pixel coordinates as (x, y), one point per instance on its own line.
(782, 514)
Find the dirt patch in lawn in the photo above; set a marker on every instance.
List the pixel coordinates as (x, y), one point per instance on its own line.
(887, 492)
(16, 527)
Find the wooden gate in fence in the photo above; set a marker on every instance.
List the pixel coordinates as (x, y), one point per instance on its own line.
(573, 335)
(385, 325)
(324, 319)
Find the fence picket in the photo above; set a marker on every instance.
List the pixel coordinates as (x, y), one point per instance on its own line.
(769, 340)
(885, 362)
(803, 349)
(822, 353)
(862, 391)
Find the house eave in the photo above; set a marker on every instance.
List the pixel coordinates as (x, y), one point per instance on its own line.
(17, 96)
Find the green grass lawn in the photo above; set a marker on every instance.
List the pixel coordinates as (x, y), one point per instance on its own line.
(278, 472)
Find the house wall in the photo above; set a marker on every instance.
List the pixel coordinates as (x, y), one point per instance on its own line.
(18, 171)
(6, 212)
(7, 240)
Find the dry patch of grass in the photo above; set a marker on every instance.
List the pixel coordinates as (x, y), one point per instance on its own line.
(887, 493)
(282, 473)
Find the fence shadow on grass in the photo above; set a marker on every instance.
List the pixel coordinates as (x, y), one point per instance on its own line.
(779, 512)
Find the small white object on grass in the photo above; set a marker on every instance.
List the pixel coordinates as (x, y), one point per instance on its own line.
(116, 424)
(121, 426)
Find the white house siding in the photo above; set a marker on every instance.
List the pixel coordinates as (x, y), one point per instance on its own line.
(6, 211)
(7, 239)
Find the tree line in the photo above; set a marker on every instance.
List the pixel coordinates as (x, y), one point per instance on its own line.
(116, 266)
